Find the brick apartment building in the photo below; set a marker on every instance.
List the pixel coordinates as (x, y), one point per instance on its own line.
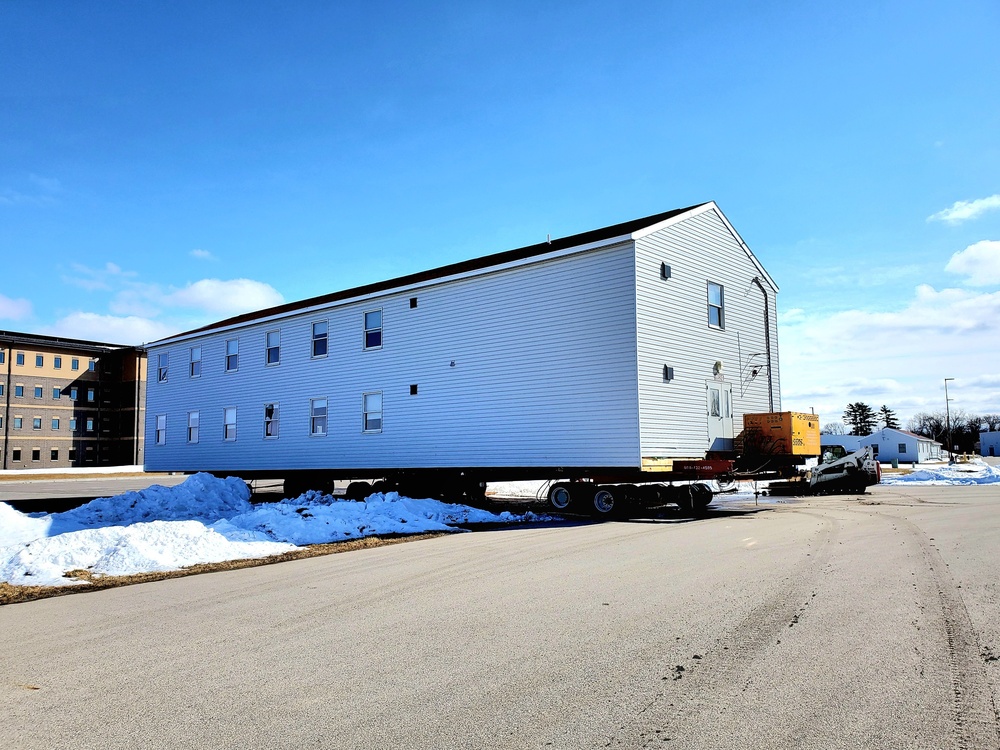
(70, 403)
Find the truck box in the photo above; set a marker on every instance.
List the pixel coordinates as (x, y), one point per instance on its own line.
(783, 433)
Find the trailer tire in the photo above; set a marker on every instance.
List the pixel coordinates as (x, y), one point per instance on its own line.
(560, 496)
(701, 496)
(604, 501)
(358, 490)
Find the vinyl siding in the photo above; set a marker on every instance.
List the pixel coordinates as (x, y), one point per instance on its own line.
(544, 375)
(673, 329)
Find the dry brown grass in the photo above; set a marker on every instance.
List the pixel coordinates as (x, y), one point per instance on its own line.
(16, 594)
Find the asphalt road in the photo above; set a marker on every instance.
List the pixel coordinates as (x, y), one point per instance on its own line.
(829, 623)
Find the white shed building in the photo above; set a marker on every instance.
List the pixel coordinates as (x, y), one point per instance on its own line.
(891, 445)
(618, 348)
(989, 443)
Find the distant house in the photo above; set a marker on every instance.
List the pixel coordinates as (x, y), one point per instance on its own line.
(989, 443)
(890, 444)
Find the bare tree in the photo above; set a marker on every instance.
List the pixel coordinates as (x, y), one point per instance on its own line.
(992, 422)
(833, 428)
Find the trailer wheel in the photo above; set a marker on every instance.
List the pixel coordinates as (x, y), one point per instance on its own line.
(560, 496)
(701, 496)
(604, 501)
(358, 490)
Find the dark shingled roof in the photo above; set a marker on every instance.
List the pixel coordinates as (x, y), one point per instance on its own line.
(475, 264)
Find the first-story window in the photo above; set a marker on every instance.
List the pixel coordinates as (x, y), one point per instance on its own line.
(372, 408)
(193, 419)
(270, 420)
(194, 369)
(232, 355)
(373, 329)
(716, 309)
(272, 355)
(161, 429)
(72, 423)
(902, 448)
(317, 416)
(54, 454)
(319, 338)
(229, 423)
(36, 454)
(161, 368)
(15, 454)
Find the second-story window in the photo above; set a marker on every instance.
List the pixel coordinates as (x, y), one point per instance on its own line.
(319, 338)
(716, 308)
(194, 369)
(161, 368)
(273, 347)
(373, 329)
(232, 355)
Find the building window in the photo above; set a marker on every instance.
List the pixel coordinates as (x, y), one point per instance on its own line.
(716, 309)
(902, 448)
(373, 329)
(74, 364)
(372, 408)
(1, 423)
(19, 358)
(36, 454)
(193, 418)
(232, 355)
(15, 454)
(161, 368)
(272, 345)
(1, 389)
(90, 424)
(57, 362)
(72, 454)
(36, 423)
(54, 454)
(72, 424)
(17, 423)
(57, 393)
(229, 423)
(74, 393)
(19, 391)
(317, 416)
(90, 394)
(38, 391)
(161, 429)
(92, 365)
(270, 420)
(39, 360)
(195, 368)
(319, 339)
(3, 356)
(55, 423)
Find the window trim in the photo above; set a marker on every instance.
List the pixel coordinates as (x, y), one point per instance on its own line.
(364, 412)
(721, 307)
(367, 330)
(313, 416)
(236, 365)
(274, 421)
(268, 348)
(325, 338)
(192, 362)
(226, 424)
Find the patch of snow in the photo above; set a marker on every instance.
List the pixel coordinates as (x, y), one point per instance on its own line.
(973, 472)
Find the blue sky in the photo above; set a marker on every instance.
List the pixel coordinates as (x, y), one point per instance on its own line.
(163, 165)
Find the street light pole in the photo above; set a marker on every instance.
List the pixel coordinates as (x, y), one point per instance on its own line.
(947, 412)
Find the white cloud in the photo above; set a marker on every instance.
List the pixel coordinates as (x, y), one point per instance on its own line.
(202, 255)
(14, 309)
(980, 262)
(898, 357)
(225, 297)
(97, 279)
(964, 210)
(111, 329)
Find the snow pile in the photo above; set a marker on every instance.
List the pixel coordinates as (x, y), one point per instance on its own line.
(973, 472)
(204, 520)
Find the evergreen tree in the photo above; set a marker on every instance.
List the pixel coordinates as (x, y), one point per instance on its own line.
(888, 417)
(860, 417)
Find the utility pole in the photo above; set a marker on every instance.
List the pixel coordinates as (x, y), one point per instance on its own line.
(947, 412)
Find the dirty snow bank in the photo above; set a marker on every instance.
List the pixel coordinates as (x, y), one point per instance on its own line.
(973, 472)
